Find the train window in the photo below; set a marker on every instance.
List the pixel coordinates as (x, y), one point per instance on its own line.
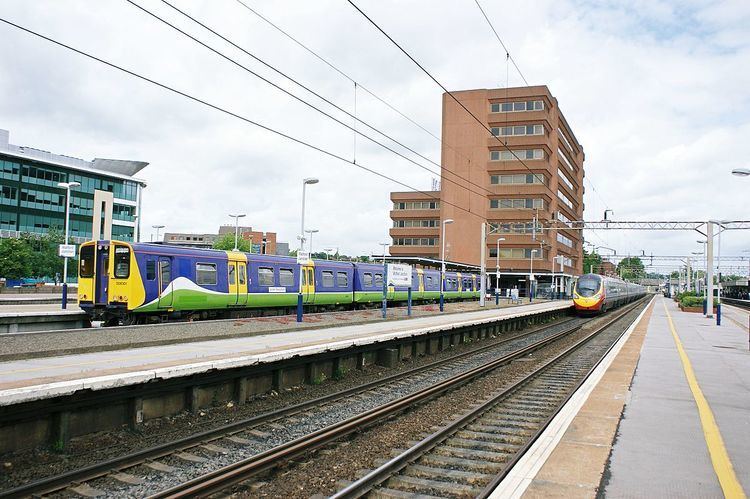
(286, 277)
(87, 261)
(342, 279)
(165, 266)
(429, 280)
(379, 280)
(231, 277)
(205, 273)
(367, 279)
(151, 270)
(243, 277)
(265, 276)
(327, 278)
(122, 262)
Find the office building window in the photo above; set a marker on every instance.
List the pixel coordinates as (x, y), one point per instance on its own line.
(565, 199)
(508, 131)
(414, 241)
(514, 107)
(564, 159)
(416, 223)
(518, 154)
(565, 240)
(516, 204)
(520, 178)
(565, 179)
(416, 205)
(516, 253)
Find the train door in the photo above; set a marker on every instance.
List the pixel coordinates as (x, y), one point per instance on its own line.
(421, 281)
(308, 284)
(459, 283)
(237, 279)
(166, 288)
(101, 277)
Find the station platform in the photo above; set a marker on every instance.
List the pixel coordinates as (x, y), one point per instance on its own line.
(39, 378)
(667, 414)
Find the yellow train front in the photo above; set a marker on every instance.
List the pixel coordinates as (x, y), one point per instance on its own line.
(594, 293)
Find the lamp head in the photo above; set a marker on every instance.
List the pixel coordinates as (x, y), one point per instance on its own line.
(448, 221)
(311, 180)
(741, 172)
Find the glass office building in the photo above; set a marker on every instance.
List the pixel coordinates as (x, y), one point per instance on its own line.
(31, 201)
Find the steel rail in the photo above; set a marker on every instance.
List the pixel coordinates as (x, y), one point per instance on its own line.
(235, 473)
(59, 482)
(377, 476)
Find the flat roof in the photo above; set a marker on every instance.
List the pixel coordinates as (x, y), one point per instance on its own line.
(116, 168)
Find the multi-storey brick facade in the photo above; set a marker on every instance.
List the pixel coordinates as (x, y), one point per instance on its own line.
(531, 165)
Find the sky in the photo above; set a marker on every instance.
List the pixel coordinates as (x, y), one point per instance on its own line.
(655, 91)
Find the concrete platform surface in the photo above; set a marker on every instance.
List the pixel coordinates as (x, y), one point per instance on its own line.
(37, 378)
(666, 443)
(669, 418)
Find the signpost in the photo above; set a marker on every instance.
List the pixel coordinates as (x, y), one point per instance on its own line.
(67, 250)
(400, 275)
(303, 257)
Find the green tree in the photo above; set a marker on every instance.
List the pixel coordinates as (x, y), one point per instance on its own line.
(226, 242)
(675, 274)
(631, 268)
(15, 258)
(591, 260)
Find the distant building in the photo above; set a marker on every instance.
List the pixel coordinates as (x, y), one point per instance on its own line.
(31, 201)
(190, 240)
(263, 243)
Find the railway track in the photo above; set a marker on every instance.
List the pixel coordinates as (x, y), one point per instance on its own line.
(470, 456)
(255, 436)
(224, 478)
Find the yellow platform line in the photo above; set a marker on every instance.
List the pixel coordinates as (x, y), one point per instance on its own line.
(723, 468)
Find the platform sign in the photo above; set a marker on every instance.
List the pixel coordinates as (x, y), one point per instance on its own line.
(303, 257)
(67, 250)
(399, 274)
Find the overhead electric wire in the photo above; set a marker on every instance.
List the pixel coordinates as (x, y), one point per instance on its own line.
(339, 71)
(507, 52)
(308, 89)
(226, 111)
(480, 122)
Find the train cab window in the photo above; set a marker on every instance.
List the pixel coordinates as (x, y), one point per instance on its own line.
(231, 277)
(205, 273)
(87, 261)
(327, 278)
(242, 276)
(342, 279)
(588, 285)
(286, 277)
(379, 280)
(367, 279)
(265, 276)
(122, 262)
(151, 270)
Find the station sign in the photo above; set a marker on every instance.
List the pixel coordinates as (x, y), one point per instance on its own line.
(67, 250)
(303, 257)
(399, 274)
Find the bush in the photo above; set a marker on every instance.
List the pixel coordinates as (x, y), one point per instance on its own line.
(694, 301)
(691, 301)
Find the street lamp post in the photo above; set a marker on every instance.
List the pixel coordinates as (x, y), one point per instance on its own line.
(497, 271)
(705, 272)
(67, 186)
(237, 230)
(305, 182)
(311, 232)
(442, 258)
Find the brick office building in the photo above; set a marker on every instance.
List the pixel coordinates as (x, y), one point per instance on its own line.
(530, 166)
